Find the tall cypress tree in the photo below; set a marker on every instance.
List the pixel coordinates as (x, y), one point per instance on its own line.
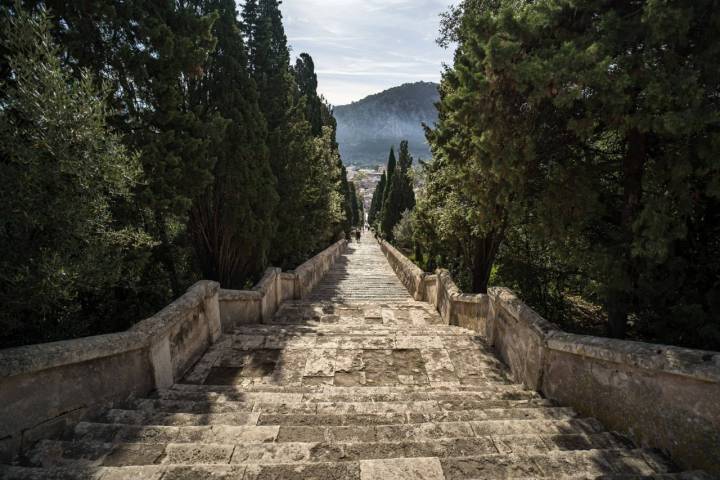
(355, 220)
(391, 165)
(399, 195)
(307, 83)
(376, 202)
(233, 221)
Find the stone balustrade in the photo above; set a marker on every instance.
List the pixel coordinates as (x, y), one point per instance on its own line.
(409, 274)
(662, 396)
(48, 387)
(276, 287)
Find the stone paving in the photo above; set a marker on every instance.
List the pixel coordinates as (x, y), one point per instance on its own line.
(359, 382)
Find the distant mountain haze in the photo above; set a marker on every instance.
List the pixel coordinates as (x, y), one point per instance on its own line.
(369, 127)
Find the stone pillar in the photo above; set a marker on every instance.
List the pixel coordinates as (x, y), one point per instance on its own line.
(212, 315)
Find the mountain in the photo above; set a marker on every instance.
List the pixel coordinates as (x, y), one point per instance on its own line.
(367, 128)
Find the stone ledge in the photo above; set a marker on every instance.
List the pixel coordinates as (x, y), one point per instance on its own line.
(239, 296)
(411, 276)
(35, 358)
(515, 307)
(167, 318)
(696, 364)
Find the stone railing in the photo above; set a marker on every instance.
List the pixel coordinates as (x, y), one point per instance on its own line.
(48, 387)
(276, 287)
(663, 397)
(409, 274)
(45, 388)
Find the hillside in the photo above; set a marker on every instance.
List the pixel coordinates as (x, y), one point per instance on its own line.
(367, 128)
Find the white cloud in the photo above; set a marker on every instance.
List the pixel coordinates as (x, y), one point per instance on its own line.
(362, 47)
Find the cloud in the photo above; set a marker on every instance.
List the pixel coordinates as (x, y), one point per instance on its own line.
(362, 47)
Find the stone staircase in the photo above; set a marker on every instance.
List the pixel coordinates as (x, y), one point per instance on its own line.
(360, 276)
(358, 382)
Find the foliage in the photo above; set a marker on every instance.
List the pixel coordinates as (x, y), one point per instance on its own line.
(400, 196)
(233, 221)
(403, 232)
(588, 128)
(376, 202)
(63, 174)
(236, 162)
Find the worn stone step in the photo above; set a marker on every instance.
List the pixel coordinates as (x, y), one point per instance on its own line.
(262, 462)
(359, 394)
(327, 471)
(140, 417)
(427, 431)
(87, 453)
(331, 408)
(359, 391)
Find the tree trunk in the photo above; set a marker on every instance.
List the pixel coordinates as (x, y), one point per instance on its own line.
(166, 257)
(486, 250)
(620, 302)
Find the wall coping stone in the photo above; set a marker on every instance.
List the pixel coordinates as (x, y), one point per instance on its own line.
(43, 356)
(167, 318)
(240, 295)
(521, 311)
(311, 263)
(697, 364)
(34, 358)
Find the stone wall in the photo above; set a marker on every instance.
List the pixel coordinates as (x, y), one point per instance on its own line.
(409, 274)
(276, 287)
(44, 388)
(663, 397)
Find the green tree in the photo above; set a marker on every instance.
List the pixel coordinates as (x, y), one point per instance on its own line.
(376, 202)
(307, 83)
(233, 221)
(390, 170)
(589, 126)
(400, 195)
(63, 173)
(150, 54)
(355, 218)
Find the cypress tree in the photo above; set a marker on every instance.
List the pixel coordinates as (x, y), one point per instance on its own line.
(376, 202)
(355, 219)
(233, 221)
(307, 83)
(400, 196)
(391, 165)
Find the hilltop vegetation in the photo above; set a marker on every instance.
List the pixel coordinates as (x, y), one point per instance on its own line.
(367, 128)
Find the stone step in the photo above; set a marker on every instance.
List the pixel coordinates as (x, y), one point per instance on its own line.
(428, 431)
(348, 394)
(57, 453)
(357, 392)
(141, 417)
(228, 461)
(332, 408)
(356, 330)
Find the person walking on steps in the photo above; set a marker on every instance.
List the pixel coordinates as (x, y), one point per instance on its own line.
(357, 235)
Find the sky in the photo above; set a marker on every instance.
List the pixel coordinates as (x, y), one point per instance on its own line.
(361, 47)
